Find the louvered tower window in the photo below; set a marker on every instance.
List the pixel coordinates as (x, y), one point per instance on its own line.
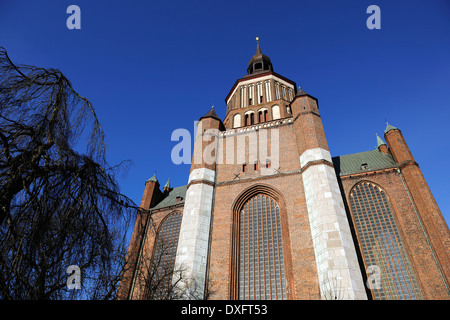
(159, 279)
(381, 244)
(261, 268)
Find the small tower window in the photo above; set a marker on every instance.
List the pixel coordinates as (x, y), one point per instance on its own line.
(262, 115)
(288, 109)
(259, 87)
(256, 165)
(244, 167)
(249, 118)
(268, 163)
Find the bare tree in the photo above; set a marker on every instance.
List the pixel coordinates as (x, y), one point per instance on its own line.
(58, 207)
(157, 276)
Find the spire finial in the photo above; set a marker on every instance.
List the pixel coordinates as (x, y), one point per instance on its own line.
(258, 48)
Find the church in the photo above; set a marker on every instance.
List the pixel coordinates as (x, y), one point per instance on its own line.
(268, 213)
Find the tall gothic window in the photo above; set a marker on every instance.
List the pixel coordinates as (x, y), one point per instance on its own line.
(159, 279)
(381, 244)
(261, 268)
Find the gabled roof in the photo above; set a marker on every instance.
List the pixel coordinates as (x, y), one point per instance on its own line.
(352, 163)
(171, 198)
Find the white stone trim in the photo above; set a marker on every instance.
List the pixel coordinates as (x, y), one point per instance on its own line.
(202, 174)
(192, 250)
(335, 254)
(313, 155)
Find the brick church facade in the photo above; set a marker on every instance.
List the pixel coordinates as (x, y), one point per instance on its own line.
(268, 213)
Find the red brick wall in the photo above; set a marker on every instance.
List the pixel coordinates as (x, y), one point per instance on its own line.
(151, 196)
(433, 222)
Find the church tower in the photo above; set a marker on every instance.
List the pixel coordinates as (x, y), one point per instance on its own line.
(280, 229)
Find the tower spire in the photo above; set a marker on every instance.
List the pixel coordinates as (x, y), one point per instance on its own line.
(167, 187)
(259, 62)
(380, 141)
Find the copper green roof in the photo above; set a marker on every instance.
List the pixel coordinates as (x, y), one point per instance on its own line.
(153, 179)
(389, 127)
(362, 162)
(171, 198)
(167, 185)
(380, 141)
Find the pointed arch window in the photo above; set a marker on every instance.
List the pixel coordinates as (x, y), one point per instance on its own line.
(159, 277)
(381, 245)
(261, 268)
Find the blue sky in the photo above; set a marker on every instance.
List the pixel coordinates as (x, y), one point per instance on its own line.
(150, 67)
